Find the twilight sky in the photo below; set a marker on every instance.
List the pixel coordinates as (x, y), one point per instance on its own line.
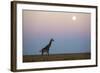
(71, 32)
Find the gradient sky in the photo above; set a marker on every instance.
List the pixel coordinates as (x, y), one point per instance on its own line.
(71, 36)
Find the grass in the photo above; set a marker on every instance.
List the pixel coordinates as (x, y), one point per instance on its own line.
(56, 57)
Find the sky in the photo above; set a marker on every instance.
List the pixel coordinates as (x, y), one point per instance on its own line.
(70, 31)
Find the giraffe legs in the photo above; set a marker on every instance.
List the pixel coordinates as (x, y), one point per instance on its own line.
(48, 53)
(45, 52)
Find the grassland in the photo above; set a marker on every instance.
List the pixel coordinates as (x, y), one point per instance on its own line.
(56, 57)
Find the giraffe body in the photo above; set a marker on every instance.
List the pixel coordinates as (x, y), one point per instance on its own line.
(45, 50)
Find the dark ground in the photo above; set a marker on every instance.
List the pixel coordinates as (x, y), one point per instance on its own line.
(56, 57)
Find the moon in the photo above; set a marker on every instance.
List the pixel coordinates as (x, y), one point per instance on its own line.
(73, 18)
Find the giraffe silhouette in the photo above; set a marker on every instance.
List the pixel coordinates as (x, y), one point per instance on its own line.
(47, 47)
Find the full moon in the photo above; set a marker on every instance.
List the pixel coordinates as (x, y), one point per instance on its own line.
(73, 18)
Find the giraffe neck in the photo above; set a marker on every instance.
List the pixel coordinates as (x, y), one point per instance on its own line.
(50, 43)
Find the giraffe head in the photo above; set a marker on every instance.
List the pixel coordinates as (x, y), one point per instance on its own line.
(52, 39)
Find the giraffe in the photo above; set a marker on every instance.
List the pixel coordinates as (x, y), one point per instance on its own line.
(46, 48)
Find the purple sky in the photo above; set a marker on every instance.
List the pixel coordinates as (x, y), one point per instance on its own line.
(71, 32)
